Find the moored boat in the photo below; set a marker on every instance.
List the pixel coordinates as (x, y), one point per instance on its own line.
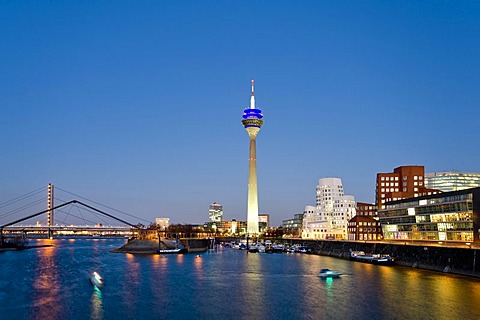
(172, 251)
(383, 259)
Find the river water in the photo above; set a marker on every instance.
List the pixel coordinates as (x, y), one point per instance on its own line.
(52, 283)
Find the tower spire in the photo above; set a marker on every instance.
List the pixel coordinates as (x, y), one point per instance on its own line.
(252, 98)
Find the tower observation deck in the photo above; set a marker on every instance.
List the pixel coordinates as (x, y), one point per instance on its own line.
(252, 121)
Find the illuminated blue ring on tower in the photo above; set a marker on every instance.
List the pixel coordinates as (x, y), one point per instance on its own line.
(252, 113)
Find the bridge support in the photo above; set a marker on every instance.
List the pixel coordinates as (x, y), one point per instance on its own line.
(50, 206)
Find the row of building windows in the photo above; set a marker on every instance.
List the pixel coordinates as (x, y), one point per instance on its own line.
(354, 230)
(389, 178)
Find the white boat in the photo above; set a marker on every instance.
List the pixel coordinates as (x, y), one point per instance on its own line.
(97, 280)
(327, 273)
(170, 251)
(383, 259)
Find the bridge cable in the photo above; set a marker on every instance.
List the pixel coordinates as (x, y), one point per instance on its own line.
(27, 206)
(76, 195)
(20, 198)
(97, 215)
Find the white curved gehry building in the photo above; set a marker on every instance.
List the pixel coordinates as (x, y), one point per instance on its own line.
(333, 210)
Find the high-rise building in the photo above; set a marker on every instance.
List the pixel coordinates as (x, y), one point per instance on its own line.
(215, 212)
(404, 182)
(452, 181)
(332, 212)
(252, 121)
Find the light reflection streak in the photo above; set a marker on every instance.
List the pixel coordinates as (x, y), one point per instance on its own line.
(180, 259)
(253, 287)
(131, 290)
(46, 285)
(198, 265)
(97, 304)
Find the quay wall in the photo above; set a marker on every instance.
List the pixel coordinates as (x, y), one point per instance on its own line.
(151, 246)
(463, 261)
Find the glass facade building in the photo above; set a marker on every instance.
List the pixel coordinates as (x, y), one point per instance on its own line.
(450, 217)
(452, 181)
(215, 212)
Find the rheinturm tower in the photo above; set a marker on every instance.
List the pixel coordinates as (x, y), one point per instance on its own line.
(252, 121)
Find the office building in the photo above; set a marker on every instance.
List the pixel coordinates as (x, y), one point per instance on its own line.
(215, 212)
(445, 217)
(452, 181)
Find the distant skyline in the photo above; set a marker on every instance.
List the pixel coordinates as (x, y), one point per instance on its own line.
(138, 105)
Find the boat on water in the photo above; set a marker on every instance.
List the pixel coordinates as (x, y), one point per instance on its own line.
(97, 280)
(172, 251)
(327, 273)
(253, 248)
(171, 247)
(383, 259)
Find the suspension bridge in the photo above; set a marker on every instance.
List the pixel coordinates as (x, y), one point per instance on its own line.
(24, 216)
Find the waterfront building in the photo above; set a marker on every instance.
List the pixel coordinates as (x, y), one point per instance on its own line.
(445, 217)
(215, 212)
(404, 182)
(264, 218)
(162, 223)
(364, 227)
(226, 227)
(252, 121)
(312, 226)
(332, 212)
(293, 227)
(366, 209)
(452, 181)
(263, 222)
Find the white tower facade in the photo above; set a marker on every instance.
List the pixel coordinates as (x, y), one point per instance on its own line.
(252, 121)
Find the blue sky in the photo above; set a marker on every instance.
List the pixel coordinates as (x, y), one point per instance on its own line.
(137, 104)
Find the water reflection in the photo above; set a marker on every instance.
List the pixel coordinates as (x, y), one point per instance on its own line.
(46, 284)
(252, 285)
(131, 290)
(222, 285)
(97, 304)
(198, 266)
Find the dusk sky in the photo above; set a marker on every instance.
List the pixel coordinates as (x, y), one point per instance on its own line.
(138, 104)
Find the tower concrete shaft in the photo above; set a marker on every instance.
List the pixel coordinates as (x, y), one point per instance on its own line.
(252, 207)
(252, 121)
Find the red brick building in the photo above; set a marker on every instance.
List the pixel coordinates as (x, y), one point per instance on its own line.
(404, 182)
(366, 209)
(364, 228)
